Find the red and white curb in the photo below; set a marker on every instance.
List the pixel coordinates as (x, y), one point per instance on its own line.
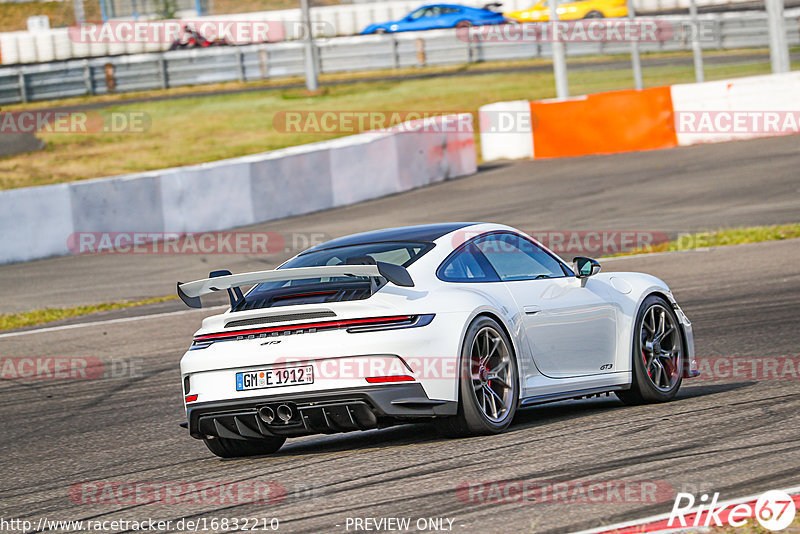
(695, 516)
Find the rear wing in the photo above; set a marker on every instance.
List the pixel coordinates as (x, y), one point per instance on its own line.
(190, 292)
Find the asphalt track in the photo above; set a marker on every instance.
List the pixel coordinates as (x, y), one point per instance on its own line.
(673, 191)
(733, 436)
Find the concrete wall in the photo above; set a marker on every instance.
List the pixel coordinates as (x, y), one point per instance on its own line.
(505, 129)
(700, 113)
(717, 103)
(38, 222)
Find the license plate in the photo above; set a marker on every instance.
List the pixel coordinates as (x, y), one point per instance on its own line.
(274, 377)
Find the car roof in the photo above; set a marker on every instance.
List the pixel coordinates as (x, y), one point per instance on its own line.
(458, 6)
(419, 233)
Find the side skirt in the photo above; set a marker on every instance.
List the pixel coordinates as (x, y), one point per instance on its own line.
(569, 395)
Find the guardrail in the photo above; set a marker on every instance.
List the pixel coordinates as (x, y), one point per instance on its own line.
(162, 70)
(327, 21)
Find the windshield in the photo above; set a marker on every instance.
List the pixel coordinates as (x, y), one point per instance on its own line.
(315, 290)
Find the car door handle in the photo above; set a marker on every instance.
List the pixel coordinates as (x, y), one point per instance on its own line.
(531, 310)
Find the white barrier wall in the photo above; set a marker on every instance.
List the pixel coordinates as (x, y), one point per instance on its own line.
(720, 103)
(710, 112)
(505, 130)
(24, 212)
(38, 222)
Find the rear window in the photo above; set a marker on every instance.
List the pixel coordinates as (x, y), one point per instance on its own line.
(397, 253)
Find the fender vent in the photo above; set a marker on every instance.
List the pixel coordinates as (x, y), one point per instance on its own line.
(281, 318)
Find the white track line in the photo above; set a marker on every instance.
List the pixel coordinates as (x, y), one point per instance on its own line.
(108, 321)
(653, 518)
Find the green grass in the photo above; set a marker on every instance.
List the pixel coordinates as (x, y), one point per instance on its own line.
(14, 16)
(48, 315)
(207, 128)
(723, 237)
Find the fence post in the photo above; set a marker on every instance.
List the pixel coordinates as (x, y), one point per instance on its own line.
(421, 59)
(162, 71)
(478, 51)
(240, 63)
(87, 78)
(23, 90)
(317, 53)
(395, 53)
(263, 61)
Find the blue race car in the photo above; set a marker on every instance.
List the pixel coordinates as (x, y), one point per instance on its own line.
(438, 16)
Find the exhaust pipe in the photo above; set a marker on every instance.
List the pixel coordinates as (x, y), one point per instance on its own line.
(266, 414)
(284, 413)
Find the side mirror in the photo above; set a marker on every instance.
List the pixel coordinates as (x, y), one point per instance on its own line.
(585, 267)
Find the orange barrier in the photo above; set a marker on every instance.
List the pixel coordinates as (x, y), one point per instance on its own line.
(604, 123)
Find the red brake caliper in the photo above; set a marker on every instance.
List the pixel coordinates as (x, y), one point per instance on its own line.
(644, 357)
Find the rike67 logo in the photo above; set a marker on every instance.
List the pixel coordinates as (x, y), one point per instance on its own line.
(774, 510)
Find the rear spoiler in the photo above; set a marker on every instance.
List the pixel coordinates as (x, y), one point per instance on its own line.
(190, 292)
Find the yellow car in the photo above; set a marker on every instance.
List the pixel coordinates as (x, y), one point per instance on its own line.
(582, 9)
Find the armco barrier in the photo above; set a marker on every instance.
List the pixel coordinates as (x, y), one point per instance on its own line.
(327, 21)
(145, 68)
(37, 222)
(624, 121)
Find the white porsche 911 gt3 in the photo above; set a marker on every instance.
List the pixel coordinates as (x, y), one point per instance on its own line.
(463, 323)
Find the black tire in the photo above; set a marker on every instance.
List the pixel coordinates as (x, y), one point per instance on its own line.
(237, 448)
(380, 31)
(471, 419)
(594, 15)
(643, 388)
(464, 24)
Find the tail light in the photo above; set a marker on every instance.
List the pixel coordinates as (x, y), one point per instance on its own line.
(368, 324)
(384, 379)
